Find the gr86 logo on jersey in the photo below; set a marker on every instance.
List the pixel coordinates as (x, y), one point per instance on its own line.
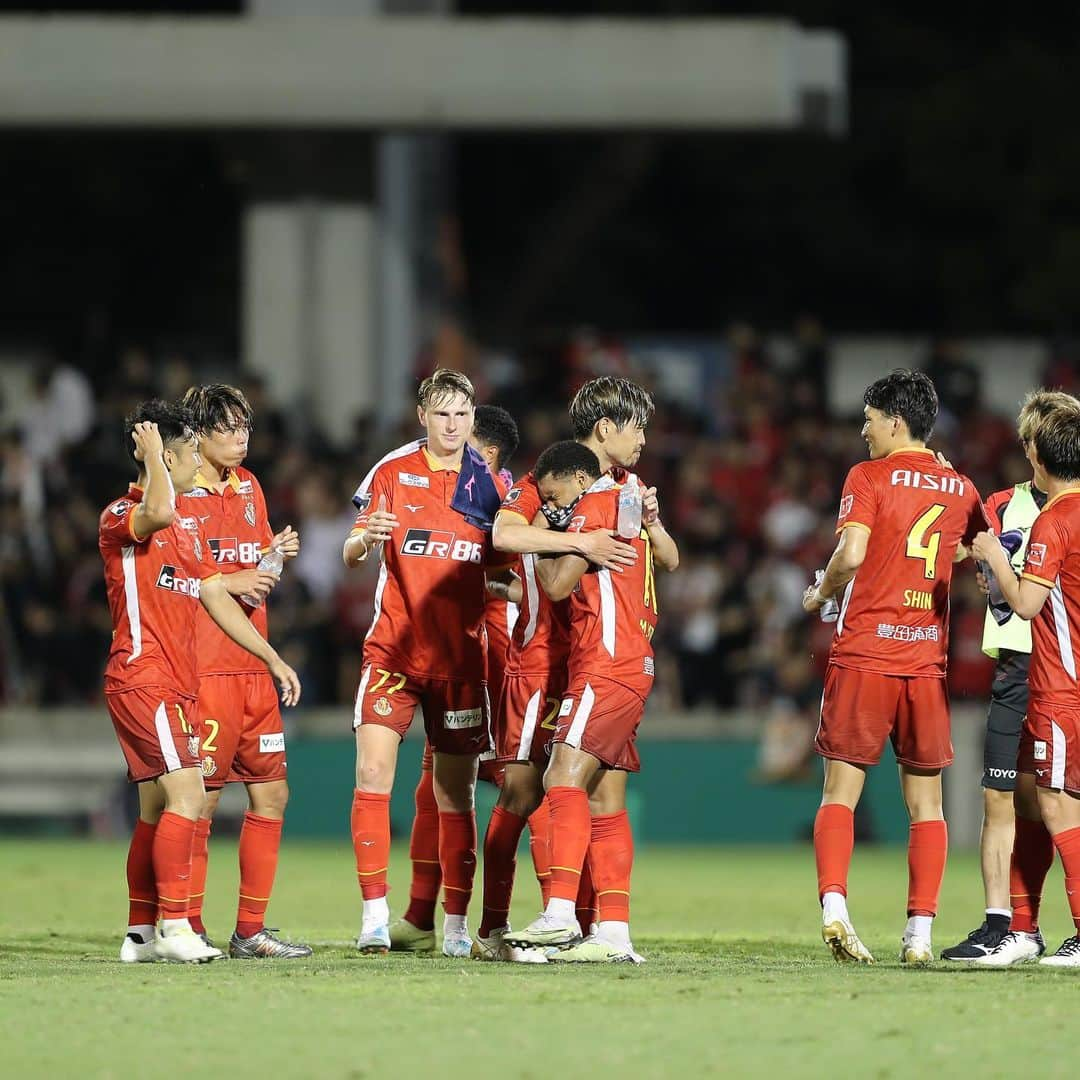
(227, 549)
(432, 544)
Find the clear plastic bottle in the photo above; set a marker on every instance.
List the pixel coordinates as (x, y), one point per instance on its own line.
(273, 562)
(629, 522)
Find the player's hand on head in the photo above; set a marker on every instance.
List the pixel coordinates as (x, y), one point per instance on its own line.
(287, 542)
(287, 679)
(605, 549)
(650, 507)
(380, 523)
(147, 440)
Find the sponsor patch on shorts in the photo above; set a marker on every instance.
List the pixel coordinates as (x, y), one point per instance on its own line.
(1040, 750)
(272, 744)
(567, 707)
(457, 719)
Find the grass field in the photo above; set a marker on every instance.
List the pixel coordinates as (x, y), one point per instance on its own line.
(737, 983)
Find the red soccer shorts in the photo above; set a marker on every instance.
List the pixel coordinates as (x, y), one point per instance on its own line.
(457, 717)
(488, 770)
(525, 720)
(861, 709)
(601, 717)
(243, 738)
(156, 729)
(1050, 746)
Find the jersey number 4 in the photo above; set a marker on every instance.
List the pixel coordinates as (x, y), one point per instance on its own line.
(922, 546)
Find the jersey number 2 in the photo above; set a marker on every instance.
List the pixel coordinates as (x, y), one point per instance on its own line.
(921, 546)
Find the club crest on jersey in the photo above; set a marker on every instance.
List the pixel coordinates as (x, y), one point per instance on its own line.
(412, 480)
(249, 513)
(1036, 553)
(383, 707)
(209, 766)
(434, 544)
(168, 580)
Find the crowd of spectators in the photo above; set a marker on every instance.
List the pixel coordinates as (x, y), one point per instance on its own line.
(749, 480)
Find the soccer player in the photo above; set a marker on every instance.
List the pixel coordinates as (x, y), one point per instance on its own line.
(905, 516)
(157, 567)
(429, 506)
(1012, 510)
(495, 438)
(609, 416)
(612, 622)
(243, 738)
(1049, 755)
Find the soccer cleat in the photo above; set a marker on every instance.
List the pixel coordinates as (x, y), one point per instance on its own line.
(458, 945)
(594, 950)
(846, 947)
(1067, 956)
(1015, 947)
(405, 937)
(374, 942)
(978, 943)
(545, 932)
(916, 951)
(183, 946)
(495, 948)
(204, 937)
(134, 950)
(265, 946)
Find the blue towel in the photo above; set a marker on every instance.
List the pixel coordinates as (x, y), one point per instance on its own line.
(476, 497)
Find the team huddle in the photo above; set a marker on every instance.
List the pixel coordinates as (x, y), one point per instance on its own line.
(517, 616)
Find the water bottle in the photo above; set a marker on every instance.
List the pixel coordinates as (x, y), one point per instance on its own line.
(273, 562)
(629, 523)
(1011, 541)
(830, 610)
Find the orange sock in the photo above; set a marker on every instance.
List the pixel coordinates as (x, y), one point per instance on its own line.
(424, 852)
(142, 888)
(173, 838)
(1032, 857)
(834, 841)
(1068, 846)
(540, 847)
(500, 861)
(928, 846)
(260, 841)
(200, 856)
(611, 852)
(570, 829)
(457, 857)
(370, 823)
(585, 907)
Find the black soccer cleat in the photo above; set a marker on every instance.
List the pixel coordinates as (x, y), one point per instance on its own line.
(980, 942)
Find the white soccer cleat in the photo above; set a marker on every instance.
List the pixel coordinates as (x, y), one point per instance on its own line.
(495, 948)
(546, 932)
(916, 951)
(457, 945)
(594, 950)
(1016, 947)
(844, 943)
(405, 937)
(375, 942)
(1067, 956)
(136, 951)
(181, 945)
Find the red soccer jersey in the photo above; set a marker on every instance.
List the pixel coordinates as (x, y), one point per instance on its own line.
(153, 586)
(613, 616)
(238, 531)
(541, 639)
(430, 598)
(894, 614)
(1053, 560)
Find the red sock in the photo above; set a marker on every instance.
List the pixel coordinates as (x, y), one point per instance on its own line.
(457, 857)
(570, 829)
(585, 907)
(424, 852)
(173, 838)
(834, 841)
(928, 846)
(200, 855)
(540, 847)
(260, 840)
(500, 860)
(142, 888)
(1068, 845)
(611, 852)
(371, 841)
(1032, 857)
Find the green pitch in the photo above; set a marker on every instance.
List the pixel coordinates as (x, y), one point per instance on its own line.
(737, 983)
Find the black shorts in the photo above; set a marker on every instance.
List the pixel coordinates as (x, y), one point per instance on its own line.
(1004, 720)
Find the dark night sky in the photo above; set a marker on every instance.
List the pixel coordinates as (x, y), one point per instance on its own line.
(953, 205)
